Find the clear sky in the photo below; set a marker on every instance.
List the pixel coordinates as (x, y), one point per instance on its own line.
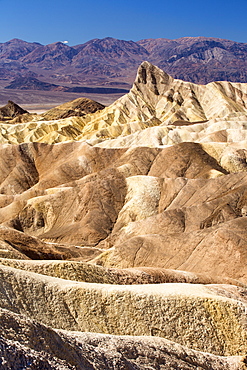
(77, 21)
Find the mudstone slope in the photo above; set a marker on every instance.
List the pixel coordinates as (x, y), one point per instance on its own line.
(123, 230)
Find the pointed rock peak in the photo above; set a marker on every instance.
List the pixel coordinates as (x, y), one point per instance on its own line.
(153, 77)
(147, 69)
(78, 107)
(58, 44)
(17, 41)
(109, 39)
(11, 110)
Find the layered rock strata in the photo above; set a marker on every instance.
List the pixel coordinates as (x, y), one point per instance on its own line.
(179, 312)
(137, 207)
(185, 112)
(48, 348)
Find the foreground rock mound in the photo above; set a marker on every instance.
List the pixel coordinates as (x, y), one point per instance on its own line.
(90, 273)
(133, 310)
(96, 351)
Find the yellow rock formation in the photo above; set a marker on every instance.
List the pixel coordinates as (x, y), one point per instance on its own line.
(184, 112)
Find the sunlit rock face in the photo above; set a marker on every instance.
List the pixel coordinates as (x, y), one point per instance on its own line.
(149, 310)
(181, 110)
(39, 346)
(159, 207)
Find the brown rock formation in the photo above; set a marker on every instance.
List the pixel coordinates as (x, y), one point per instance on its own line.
(11, 110)
(78, 107)
(133, 201)
(44, 347)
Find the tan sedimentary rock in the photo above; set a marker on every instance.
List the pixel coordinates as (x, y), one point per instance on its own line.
(197, 226)
(26, 342)
(78, 107)
(8, 251)
(207, 251)
(86, 272)
(157, 195)
(91, 199)
(180, 312)
(155, 99)
(18, 245)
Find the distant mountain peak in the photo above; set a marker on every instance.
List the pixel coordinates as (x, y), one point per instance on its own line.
(21, 42)
(106, 61)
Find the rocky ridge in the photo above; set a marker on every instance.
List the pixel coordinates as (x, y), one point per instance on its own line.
(172, 110)
(128, 222)
(96, 351)
(110, 61)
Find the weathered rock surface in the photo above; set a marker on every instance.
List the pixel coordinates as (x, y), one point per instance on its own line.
(156, 99)
(127, 207)
(16, 244)
(85, 272)
(15, 356)
(46, 348)
(179, 312)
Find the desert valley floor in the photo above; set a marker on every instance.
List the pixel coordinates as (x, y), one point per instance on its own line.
(123, 240)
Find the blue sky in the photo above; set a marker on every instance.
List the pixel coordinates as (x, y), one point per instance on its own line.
(78, 21)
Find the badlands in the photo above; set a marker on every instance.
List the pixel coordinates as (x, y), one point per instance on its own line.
(123, 239)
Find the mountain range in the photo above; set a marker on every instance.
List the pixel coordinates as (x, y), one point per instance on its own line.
(113, 62)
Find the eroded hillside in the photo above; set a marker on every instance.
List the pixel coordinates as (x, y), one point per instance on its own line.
(130, 220)
(158, 110)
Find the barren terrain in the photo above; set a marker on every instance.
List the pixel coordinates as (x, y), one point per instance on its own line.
(123, 230)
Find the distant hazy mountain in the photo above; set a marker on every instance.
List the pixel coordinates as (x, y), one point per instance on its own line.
(199, 59)
(16, 49)
(31, 83)
(50, 56)
(112, 62)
